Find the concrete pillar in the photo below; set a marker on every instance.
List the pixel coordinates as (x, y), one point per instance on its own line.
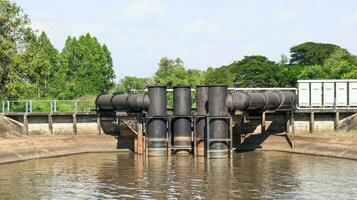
(26, 124)
(139, 140)
(288, 122)
(263, 128)
(312, 122)
(50, 124)
(337, 120)
(74, 117)
(99, 128)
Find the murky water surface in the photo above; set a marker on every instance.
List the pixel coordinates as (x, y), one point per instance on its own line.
(253, 175)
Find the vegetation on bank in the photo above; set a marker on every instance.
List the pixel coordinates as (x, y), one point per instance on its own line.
(31, 68)
(307, 61)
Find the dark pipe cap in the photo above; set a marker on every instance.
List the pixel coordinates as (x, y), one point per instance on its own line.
(157, 86)
(118, 92)
(183, 86)
(217, 85)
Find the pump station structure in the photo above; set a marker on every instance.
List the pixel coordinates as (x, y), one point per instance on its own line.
(145, 124)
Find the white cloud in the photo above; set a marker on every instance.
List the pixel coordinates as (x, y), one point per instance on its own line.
(145, 10)
(287, 14)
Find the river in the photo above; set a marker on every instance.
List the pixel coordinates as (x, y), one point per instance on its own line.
(251, 175)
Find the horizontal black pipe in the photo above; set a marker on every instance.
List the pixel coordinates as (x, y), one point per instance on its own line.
(123, 102)
(260, 101)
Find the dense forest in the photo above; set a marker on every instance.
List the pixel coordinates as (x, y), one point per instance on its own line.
(31, 68)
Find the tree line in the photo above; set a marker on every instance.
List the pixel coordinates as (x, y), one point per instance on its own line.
(31, 68)
(308, 60)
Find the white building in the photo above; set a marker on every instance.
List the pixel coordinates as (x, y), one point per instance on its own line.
(327, 93)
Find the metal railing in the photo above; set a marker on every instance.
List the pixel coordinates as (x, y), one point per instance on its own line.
(48, 106)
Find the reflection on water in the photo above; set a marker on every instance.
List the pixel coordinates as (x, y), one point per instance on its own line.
(260, 175)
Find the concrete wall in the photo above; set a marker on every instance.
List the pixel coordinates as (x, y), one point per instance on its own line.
(320, 122)
(63, 124)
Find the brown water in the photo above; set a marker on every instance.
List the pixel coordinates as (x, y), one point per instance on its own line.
(253, 175)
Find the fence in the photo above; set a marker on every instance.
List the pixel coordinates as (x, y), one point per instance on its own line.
(50, 106)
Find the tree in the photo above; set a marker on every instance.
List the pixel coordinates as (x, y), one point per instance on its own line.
(257, 71)
(40, 61)
(14, 35)
(171, 73)
(129, 83)
(195, 77)
(86, 67)
(341, 64)
(310, 53)
(220, 75)
(313, 72)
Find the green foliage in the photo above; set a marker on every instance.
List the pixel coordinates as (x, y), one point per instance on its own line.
(219, 76)
(310, 53)
(313, 72)
(129, 83)
(341, 64)
(257, 71)
(30, 67)
(86, 68)
(172, 73)
(40, 60)
(14, 34)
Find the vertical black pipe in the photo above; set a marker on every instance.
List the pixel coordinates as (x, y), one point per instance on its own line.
(218, 128)
(157, 127)
(201, 110)
(182, 122)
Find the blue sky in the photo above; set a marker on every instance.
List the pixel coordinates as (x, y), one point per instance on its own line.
(202, 33)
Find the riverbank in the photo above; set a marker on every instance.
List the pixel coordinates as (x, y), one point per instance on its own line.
(329, 144)
(34, 147)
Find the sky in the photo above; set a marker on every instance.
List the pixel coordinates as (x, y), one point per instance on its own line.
(203, 33)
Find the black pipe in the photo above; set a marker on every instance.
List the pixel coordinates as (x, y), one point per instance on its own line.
(238, 101)
(260, 101)
(182, 117)
(273, 101)
(157, 126)
(218, 127)
(201, 110)
(289, 99)
(119, 101)
(130, 102)
(103, 102)
(257, 101)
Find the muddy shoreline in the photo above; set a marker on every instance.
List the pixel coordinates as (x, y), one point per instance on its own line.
(35, 147)
(337, 146)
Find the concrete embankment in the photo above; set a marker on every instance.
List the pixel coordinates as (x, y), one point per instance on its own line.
(33, 147)
(332, 145)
